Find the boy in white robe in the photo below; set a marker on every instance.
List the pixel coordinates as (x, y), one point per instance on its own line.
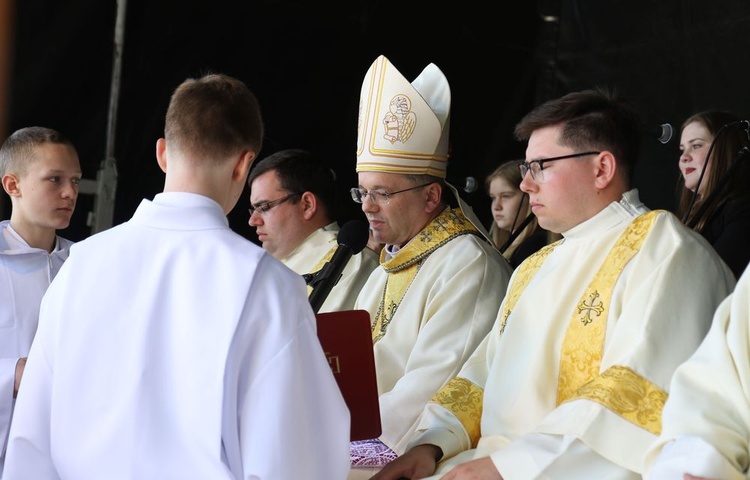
(170, 346)
(40, 172)
(571, 381)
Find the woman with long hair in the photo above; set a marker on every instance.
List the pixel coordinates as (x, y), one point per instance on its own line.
(714, 192)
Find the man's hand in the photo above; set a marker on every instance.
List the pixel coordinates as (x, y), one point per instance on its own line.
(419, 462)
(481, 468)
(20, 365)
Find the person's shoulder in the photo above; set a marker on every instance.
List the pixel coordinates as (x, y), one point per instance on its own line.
(471, 248)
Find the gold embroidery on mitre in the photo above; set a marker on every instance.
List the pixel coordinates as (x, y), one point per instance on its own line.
(402, 268)
(629, 395)
(464, 400)
(526, 272)
(400, 121)
(582, 347)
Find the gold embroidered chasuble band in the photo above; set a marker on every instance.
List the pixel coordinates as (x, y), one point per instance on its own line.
(403, 267)
(619, 388)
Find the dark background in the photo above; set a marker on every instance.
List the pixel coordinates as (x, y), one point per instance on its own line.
(306, 61)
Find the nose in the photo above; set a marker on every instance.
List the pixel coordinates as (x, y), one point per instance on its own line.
(527, 183)
(368, 205)
(255, 219)
(70, 190)
(684, 157)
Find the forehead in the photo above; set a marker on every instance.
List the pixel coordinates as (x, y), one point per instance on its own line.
(500, 184)
(695, 130)
(382, 181)
(543, 143)
(265, 186)
(54, 157)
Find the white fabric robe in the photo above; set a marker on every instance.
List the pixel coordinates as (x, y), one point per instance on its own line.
(660, 310)
(25, 274)
(706, 424)
(446, 312)
(171, 347)
(309, 254)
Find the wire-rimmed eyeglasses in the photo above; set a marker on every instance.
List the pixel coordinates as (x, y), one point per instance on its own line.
(536, 167)
(264, 207)
(379, 197)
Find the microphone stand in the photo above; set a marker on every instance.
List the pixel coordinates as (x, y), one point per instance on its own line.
(515, 233)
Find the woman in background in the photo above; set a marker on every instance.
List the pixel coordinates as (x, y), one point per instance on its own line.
(714, 194)
(510, 207)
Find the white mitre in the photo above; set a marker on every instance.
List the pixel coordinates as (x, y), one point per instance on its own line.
(403, 127)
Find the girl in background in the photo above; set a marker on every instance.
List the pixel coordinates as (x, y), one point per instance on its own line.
(510, 207)
(714, 194)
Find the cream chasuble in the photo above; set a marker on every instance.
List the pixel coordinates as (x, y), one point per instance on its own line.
(431, 305)
(546, 393)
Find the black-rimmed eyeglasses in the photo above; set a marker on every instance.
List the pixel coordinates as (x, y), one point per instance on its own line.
(264, 207)
(536, 167)
(379, 197)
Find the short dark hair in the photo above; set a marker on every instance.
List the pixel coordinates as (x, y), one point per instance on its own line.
(17, 152)
(299, 171)
(595, 119)
(214, 116)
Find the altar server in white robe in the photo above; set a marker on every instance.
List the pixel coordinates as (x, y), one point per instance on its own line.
(171, 347)
(40, 171)
(571, 382)
(440, 281)
(706, 423)
(293, 211)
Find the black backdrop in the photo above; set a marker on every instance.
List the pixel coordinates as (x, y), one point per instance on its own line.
(306, 61)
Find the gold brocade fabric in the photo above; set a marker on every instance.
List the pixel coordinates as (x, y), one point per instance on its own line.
(464, 400)
(631, 396)
(526, 272)
(403, 267)
(582, 349)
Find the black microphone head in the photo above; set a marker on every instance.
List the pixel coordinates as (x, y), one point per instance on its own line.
(470, 186)
(355, 235)
(662, 132)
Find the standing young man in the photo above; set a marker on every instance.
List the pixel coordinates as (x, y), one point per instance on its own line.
(170, 346)
(40, 171)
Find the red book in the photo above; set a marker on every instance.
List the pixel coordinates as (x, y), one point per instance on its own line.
(347, 342)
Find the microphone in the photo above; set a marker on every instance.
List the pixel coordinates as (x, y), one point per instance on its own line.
(352, 239)
(662, 132)
(468, 184)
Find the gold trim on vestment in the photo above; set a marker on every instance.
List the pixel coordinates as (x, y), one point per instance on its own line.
(628, 394)
(464, 400)
(526, 272)
(402, 268)
(583, 346)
